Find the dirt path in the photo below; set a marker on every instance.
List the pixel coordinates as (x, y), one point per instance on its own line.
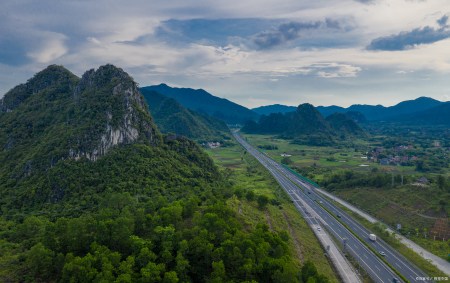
(428, 217)
(269, 221)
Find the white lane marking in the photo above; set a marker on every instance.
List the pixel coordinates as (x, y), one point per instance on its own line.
(365, 233)
(373, 272)
(280, 180)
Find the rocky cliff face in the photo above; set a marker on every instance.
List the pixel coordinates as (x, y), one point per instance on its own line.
(57, 116)
(126, 119)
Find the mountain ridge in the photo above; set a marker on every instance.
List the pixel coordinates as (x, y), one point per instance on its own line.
(305, 126)
(274, 108)
(57, 116)
(202, 101)
(370, 112)
(172, 117)
(439, 115)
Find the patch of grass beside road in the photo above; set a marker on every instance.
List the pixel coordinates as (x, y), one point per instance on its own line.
(247, 175)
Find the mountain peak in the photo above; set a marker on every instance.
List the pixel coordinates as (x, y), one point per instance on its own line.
(67, 117)
(426, 98)
(308, 119)
(51, 76)
(104, 75)
(306, 107)
(124, 117)
(53, 69)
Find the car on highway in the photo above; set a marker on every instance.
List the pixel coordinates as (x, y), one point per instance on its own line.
(338, 216)
(382, 253)
(318, 228)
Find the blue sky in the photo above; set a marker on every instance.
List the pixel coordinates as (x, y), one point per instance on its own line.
(253, 52)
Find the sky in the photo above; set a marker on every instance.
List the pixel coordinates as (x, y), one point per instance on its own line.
(252, 52)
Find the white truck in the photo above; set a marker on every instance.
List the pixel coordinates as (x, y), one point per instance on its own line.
(372, 237)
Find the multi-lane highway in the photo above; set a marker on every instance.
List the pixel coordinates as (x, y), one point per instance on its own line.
(328, 216)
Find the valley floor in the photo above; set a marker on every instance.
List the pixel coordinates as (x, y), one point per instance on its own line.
(251, 181)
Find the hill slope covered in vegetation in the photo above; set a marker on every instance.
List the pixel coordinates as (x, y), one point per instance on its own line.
(305, 126)
(172, 117)
(91, 191)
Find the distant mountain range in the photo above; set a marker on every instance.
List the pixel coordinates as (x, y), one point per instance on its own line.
(413, 111)
(172, 117)
(406, 112)
(439, 115)
(203, 102)
(275, 108)
(306, 125)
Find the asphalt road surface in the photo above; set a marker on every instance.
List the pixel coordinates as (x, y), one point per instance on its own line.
(325, 215)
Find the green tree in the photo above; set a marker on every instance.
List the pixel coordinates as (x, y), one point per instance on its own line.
(286, 160)
(152, 272)
(170, 277)
(262, 200)
(79, 269)
(218, 274)
(39, 260)
(250, 195)
(308, 271)
(441, 182)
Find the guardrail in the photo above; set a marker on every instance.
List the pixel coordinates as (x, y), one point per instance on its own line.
(301, 177)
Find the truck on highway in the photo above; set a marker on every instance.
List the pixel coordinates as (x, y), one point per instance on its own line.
(372, 237)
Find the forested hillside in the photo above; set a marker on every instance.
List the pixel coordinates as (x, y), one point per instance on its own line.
(201, 101)
(305, 126)
(172, 117)
(92, 192)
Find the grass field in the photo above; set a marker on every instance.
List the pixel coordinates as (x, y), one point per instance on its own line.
(246, 174)
(352, 156)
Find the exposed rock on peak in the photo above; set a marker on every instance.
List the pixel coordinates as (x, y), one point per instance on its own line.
(68, 117)
(126, 118)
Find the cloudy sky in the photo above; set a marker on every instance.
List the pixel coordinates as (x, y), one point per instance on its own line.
(253, 52)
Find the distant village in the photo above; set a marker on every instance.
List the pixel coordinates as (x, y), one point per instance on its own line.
(211, 144)
(399, 155)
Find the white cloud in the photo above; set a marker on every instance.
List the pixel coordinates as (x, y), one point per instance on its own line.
(99, 32)
(52, 47)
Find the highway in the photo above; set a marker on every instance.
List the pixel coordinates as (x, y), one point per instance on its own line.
(303, 192)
